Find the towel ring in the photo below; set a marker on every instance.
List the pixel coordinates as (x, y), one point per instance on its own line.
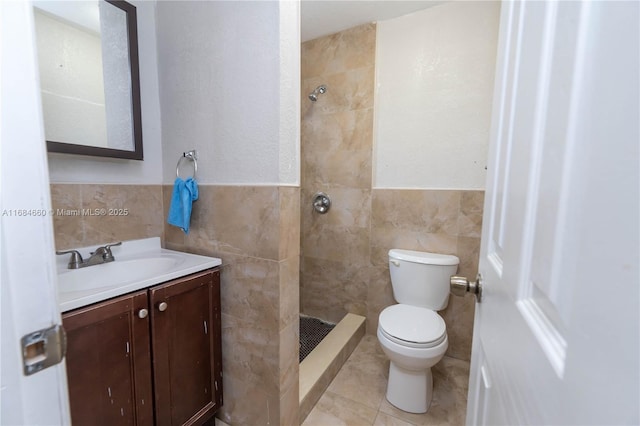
(191, 155)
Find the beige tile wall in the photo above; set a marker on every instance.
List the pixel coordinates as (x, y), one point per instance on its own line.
(336, 141)
(256, 233)
(142, 219)
(343, 265)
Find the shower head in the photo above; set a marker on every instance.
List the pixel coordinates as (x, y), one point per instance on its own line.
(318, 91)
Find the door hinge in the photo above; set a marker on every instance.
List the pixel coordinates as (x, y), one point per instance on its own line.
(43, 348)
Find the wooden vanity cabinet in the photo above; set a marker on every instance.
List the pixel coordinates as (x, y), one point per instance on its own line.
(109, 363)
(187, 355)
(149, 357)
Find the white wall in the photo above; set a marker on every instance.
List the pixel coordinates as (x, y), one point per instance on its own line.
(229, 88)
(65, 168)
(289, 162)
(434, 87)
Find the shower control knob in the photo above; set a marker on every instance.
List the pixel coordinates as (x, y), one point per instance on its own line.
(321, 202)
(460, 286)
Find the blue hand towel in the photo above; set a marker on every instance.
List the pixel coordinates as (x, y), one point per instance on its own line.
(185, 192)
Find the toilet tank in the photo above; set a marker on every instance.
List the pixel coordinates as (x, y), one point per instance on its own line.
(420, 278)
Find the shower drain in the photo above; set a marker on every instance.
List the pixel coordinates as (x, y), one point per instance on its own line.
(312, 331)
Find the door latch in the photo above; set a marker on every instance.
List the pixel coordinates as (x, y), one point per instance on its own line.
(43, 348)
(461, 285)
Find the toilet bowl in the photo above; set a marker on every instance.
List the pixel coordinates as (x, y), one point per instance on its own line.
(414, 339)
(411, 333)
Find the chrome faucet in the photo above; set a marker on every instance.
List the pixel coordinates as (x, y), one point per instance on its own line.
(101, 255)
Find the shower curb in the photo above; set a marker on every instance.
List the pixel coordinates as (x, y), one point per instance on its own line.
(323, 363)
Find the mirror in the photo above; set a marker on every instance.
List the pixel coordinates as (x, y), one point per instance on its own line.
(89, 77)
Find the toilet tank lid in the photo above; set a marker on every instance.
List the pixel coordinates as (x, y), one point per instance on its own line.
(423, 257)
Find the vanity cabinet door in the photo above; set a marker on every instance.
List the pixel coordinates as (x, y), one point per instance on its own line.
(185, 324)
(109, 362)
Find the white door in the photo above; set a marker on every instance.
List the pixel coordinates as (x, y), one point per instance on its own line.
(27, 268)
(556, 336)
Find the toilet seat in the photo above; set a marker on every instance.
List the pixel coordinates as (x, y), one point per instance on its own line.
(412, 326)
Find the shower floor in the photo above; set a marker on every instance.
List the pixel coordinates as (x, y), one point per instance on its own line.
(312, 331)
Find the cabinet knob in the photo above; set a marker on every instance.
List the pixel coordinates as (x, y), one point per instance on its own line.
(142, 313)
(162, 306)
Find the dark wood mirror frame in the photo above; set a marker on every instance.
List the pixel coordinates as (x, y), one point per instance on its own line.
(136, 154)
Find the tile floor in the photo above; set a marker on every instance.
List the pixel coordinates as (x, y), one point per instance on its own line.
(357, 394)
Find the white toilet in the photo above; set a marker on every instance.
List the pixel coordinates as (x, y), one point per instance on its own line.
(411, 333)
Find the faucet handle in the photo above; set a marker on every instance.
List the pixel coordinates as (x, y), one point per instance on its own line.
(108, 256)
(76, 258)
(108, 246)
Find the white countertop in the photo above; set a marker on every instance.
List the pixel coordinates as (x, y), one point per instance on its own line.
(138, 264)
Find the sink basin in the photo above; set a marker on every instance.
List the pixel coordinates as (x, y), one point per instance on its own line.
(139, 264)
(115, 273)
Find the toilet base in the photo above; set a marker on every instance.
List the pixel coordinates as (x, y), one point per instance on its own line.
(410, 391)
